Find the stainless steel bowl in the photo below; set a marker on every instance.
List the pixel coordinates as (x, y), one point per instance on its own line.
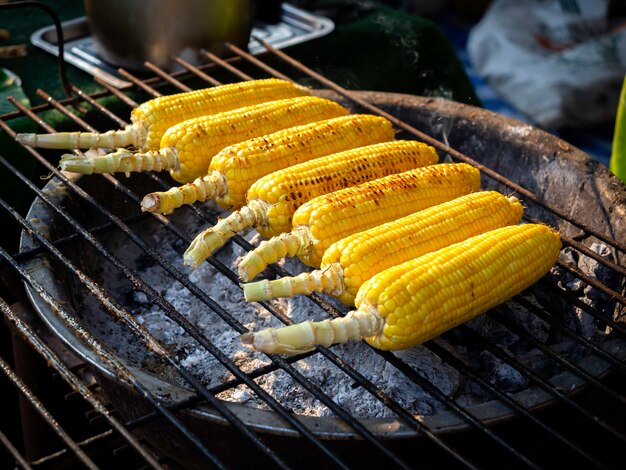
(128, 33)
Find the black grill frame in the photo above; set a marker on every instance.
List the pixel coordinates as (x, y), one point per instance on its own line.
(446, 447)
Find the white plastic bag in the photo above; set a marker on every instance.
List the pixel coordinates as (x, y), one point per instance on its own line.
(559, 62)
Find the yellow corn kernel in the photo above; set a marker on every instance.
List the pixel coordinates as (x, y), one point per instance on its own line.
(326, 219)
(274, 198)
(188, 147)
(237, 167)
(352, 260)
(151, 119)
(412, 302)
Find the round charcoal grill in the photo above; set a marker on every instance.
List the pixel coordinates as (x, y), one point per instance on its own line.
(96, 229)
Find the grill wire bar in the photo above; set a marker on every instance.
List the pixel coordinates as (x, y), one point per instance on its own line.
(232, 322)
(75, 382)
(441, 146)
(285, 364)
(191, 329)
(151, 343)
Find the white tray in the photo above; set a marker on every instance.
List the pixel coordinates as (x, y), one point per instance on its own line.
(296, 26)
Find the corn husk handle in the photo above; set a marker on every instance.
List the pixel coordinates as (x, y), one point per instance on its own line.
(305, 336)
(128, 136)
(121, 161)
(201, 189)
(253, 214)
(290, 244)
(328, 280)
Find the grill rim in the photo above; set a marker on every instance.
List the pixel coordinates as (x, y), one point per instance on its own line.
(574, 154)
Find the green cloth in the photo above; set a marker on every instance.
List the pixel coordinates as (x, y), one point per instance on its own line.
(389, 50)
(375, 48)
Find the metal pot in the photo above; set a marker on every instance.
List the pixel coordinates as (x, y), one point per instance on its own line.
(128, 33)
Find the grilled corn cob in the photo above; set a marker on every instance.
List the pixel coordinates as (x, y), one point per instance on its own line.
(412, 302)
(235, 168)
(326, 219)
(151, 119)
(352, 260)
(274, 198)
(188, 147)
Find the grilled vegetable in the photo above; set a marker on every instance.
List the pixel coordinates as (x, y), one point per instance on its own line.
(235, 168)
(273, 199)
(412, 302)
(151, 119)
(326, 219)
(352, 260)
(188, 147)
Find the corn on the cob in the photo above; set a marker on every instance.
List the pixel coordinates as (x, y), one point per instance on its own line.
(188, 147)
(151, 119)
(326, 219)
(351, 261)
(235, 168)
(410, 303)
(274, 198)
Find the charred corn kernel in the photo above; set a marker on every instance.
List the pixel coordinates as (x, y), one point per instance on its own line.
(237, 167)
(326, 219)
(352, 260)
(151, 119)
(412, 302)
(188, 147)
(274, 198)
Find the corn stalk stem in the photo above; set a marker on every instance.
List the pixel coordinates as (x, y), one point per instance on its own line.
(329, 280)
(254, 214)
(302, 337)
(130, 135)
(122, 161)
(201, 189)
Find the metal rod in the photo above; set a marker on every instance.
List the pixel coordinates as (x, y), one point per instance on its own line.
(108, 357)
(14, 452)
(191, 329)
(441, 146)
(118, 93)
(568, 241)
(451, 404)
(593, 282)
(500, 353)
(513, 404)
(222, 63)
(120, 122)
(197, 71)
(45, 414)
(140, 83)
(167, 77)
(224, 269)
(262, 65)
(136, 328)
(335, 359)
(53, 361)
(588, 345)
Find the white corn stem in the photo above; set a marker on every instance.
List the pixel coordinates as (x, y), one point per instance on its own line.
(130, 135)
(294, 243)
(302, 337)
(201, 189)
(254, 214)
(122, 161)
(329, 280)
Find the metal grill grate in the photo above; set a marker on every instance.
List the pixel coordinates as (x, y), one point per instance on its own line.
(574, 428)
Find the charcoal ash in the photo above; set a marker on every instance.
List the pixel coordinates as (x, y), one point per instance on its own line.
(316, 368)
